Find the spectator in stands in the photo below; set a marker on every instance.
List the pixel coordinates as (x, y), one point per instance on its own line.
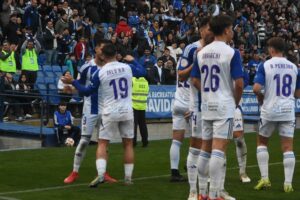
(158, 74)
(121, 10)
(171, 72)
(261, 35)
(62, 24)
(24, 87)
(5, 12)
(65, 44)
(9, 58)
(13, 30)
(65, 90)
(254, 62)
(99, 35)
(166, 57)
(12, 102)
(71, 64)
(175, 51)
(63, 121)
(122, 26)
(31, 16)
(147, 60)
(50, 43)
(109, 34)
(80, 51)
(67, 9)
(30, 50)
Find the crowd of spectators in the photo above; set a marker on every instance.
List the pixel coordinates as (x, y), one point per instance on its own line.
(154, 31)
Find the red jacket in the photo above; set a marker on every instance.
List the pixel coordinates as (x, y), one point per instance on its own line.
(80, 50)
(122, 26)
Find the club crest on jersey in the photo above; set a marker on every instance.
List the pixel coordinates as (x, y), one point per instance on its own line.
(184, 62)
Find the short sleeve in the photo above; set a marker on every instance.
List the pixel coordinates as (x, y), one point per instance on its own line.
(195, 73)
(236, 66)
(187, 57)
(260, 75)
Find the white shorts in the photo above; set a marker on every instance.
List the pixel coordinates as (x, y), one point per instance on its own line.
(88, 124)
(285, 128)
(238, 121)
(221, 129)
(196, 125)
(179, 122)
(108, 128)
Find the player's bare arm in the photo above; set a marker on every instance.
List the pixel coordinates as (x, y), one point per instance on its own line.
(257, 91)
(239, 86)
(197, 83)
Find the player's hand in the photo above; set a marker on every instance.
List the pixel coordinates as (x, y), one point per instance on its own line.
(128, 58)
(187, 115)
(68, 127)
(67, 79)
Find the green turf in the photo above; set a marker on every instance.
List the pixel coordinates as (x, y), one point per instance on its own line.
(45, 169)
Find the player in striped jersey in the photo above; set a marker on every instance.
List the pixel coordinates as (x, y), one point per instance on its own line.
(281, 81)
(91, 114)
(181, 109)
(114, 82)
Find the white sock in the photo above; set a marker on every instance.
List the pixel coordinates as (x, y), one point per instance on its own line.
(223, 175)
(128, 169)
(241, 153)
(203, 165)
(101, 166)
(263, 161)
(192, 170)
(80, 152)
(216, 165)
(175, 154)
(289, 166)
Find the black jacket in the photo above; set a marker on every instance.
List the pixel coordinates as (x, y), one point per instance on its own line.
(48, 40)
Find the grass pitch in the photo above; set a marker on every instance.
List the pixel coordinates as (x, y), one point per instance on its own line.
(38, 174)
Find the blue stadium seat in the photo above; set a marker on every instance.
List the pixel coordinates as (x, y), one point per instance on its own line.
(64, 68)
(40, 73)
(58, 74)
(52, 87)
(42, 59)
(47, 68)
(42, 88)
(50, 74)
(54, 97)
(56, 68)
(49, 80)
(40, 79)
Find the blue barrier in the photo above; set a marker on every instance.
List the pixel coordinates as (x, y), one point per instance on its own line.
(160, 103)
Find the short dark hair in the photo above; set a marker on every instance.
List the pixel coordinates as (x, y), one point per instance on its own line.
(219, 23)
(103, 41)
(62, 103)
(277, 43)
(109, 50)
(204, 22)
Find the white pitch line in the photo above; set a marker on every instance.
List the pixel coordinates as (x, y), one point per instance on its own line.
(86, 184)
(7, 198)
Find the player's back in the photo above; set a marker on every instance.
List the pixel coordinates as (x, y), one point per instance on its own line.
(91, 103)
(116, 88)
(216, 62)
(182, 94)
(280, 84)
